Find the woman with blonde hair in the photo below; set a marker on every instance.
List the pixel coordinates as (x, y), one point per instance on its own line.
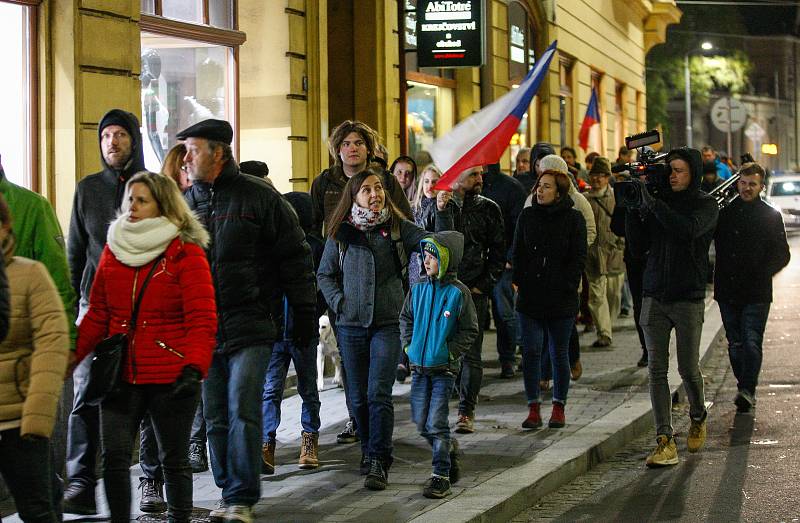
(154, 256)
(33, 358)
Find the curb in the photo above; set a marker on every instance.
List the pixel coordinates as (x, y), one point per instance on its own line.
(569, 458)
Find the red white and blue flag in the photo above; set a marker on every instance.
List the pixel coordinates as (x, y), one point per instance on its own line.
(482, 138)
(592, 117)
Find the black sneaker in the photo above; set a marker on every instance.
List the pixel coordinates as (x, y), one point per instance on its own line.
(348, 435)
(363, 466)
(401, 373)
(79, 499)
(744, 402)
(455, 466)
(377, 477)
(198, 459)
(507, 371)
(642, 361)
(436, 487)
(152, 496)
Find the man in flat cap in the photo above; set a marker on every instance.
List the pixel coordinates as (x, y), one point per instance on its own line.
(258, 253)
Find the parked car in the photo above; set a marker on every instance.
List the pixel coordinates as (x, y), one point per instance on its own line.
(783, 193)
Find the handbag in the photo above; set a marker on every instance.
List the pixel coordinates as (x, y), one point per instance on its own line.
(105, 373)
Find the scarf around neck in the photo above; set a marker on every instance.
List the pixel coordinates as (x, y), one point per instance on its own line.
(365, 219)
(138, 243)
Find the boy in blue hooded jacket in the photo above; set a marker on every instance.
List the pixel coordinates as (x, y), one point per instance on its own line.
(438, 324)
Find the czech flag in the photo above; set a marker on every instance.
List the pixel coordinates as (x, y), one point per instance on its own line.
(592, 117)
(482, 138)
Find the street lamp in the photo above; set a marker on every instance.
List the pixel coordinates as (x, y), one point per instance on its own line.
(705, 46)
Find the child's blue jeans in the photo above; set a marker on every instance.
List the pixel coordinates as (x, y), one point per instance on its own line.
(429, 410)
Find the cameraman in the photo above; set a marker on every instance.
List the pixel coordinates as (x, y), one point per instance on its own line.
(675, 232)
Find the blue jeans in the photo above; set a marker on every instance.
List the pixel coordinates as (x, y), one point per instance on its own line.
(26, 465)
(232, 408)
(505, 318)
(305, 365)
(429, 396)
(744, 328)
(558, 332)
(370, 357)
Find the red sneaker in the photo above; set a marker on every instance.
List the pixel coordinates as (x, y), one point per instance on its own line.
(534, 419)
(557, 419)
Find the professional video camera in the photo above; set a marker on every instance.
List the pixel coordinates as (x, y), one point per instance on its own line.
(651, 165)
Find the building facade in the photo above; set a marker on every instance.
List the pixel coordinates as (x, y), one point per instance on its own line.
(285, 72)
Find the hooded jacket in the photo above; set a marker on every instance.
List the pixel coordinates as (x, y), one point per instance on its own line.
(675, 235)
(39, 237)
(258, 253)
(548, 258)
(33, 357)
(438, 322)
(177, 317)
(528, 179)
(606, 253)
(95, 204)
(751, 248)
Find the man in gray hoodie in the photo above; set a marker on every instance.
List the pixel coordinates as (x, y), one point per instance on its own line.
(96, 202)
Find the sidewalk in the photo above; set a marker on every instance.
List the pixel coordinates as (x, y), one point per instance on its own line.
(504, 468)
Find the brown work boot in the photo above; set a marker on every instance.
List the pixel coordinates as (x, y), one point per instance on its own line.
(268, 457)
(309, 444)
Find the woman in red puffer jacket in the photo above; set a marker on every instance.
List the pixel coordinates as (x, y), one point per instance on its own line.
(169, 349)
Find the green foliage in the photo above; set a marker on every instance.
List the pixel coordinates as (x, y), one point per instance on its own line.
(722, 69)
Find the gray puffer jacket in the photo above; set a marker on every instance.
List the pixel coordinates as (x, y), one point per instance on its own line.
(367, 289)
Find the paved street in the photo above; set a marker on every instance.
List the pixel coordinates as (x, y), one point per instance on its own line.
(505, 468)
(746, 472)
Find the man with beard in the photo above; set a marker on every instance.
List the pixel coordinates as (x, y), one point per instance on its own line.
(483, 263)
(96, 201)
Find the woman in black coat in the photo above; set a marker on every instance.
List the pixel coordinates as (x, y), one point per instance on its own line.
(549, 255)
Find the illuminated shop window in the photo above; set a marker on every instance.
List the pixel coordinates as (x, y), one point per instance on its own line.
(188, 69)
(521, 60)
(18, 112)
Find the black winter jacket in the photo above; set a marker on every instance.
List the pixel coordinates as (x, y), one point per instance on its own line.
(675, 236)
(481, 222)
(548, 258)
(5, 300)
(258, 253)
(751, 249)
(326, 191)
(509, 194)
(95, 204)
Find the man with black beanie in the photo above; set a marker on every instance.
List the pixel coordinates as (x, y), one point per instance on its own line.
(96, 202)
(675, 232)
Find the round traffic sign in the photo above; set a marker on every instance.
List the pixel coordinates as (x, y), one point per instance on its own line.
(728, 114)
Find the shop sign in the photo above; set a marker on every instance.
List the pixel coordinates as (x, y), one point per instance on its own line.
(450, 33)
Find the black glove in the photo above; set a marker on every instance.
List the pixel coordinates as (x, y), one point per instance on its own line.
(188, 383)
(305, 328)
(646, 200)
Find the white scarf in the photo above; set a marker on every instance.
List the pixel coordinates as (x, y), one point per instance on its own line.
(138, 243)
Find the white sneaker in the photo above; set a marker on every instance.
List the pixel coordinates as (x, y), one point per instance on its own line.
(217, 515)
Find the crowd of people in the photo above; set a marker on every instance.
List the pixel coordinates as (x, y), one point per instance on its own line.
(218, 282)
